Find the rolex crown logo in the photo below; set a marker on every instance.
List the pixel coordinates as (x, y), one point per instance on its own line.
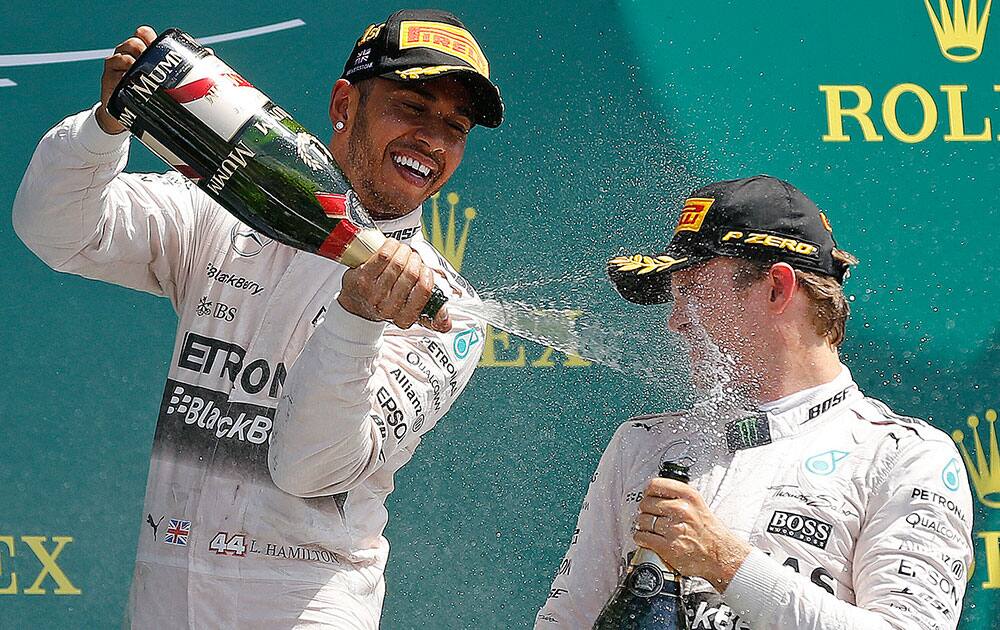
(985, 470)
(448, 241)
(960, 32)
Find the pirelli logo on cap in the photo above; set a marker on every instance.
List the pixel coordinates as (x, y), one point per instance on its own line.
(693, 214)
(451, 40)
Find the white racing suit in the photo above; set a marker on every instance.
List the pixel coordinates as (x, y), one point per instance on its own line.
(221, 545)
(860, 519)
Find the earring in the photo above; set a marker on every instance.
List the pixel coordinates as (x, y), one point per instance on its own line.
(339, 125)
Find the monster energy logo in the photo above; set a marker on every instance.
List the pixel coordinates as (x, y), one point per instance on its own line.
(748, 432)
(748, 429)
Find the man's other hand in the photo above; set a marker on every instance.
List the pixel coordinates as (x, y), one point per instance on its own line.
(393, 286)
(115, 67)
(675, 522)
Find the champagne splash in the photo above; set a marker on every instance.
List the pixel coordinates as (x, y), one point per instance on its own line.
(569, 331)
(633, 341)
(577, 313)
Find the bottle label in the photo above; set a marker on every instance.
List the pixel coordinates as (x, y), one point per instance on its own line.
(645, 580)
(357, 213)
(218, 96)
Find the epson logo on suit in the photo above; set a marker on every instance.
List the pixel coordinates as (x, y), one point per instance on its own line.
(393, 414)
(802, 528)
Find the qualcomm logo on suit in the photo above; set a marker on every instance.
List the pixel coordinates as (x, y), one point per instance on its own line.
(960, 31)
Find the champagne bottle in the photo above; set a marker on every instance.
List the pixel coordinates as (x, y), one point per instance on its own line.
(649, 597)
(247, 153)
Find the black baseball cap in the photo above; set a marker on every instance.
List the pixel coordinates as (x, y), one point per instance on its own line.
(762, 219)
(422, 44)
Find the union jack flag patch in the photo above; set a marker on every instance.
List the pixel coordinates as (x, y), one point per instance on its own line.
(177, 532)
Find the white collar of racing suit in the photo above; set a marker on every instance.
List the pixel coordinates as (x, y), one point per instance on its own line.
(787, 414)
(402, 224)
(791, 414)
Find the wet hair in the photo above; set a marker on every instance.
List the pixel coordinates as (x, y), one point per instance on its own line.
(830, 308)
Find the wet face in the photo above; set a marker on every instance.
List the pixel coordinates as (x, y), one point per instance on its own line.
(720, 320)
(404, 142)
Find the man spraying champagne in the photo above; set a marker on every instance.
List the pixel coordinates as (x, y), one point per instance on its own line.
(269, 470)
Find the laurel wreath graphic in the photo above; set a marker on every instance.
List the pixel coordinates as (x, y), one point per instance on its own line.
(645, 264)
(311, 151)
(417, 73)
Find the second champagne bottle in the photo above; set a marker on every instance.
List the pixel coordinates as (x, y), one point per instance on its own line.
(650, 596)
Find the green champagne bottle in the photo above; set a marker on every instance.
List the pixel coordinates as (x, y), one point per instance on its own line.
(649, 597)
(214, 127)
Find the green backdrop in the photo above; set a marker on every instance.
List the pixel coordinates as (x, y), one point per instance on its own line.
(614, 111)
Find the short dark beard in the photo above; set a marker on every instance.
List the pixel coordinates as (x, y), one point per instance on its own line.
(359, 156)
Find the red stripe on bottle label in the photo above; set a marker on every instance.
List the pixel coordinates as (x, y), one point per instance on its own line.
(338, 241)
(199, 88)
(333, 205)
(238, 80)
(192, 91)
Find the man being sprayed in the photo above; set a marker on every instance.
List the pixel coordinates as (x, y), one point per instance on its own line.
(275, 519)
(810, 505)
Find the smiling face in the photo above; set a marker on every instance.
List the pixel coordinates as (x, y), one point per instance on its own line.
(402, 141)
